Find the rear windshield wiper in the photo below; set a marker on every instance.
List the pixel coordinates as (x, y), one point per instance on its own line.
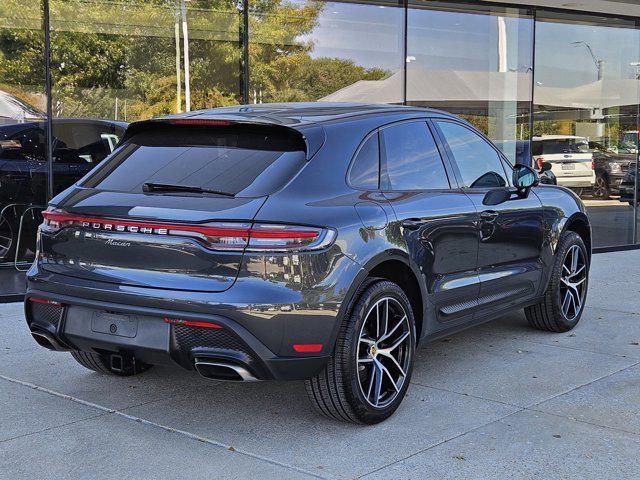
(164, 187)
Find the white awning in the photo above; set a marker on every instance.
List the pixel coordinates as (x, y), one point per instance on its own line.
(12, 108)
(438, 87)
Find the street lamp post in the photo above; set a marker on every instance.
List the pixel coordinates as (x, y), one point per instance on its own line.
(599, 63)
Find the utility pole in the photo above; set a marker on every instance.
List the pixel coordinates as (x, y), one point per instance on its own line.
(185, 38)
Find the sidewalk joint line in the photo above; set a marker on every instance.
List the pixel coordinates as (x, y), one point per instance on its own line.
(177, 431)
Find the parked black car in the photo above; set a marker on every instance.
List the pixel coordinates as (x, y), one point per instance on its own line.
(302, 241)
(78, 146)
(611, 168)
(629, 190)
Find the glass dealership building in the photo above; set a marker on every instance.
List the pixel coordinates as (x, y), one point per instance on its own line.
(543, 79)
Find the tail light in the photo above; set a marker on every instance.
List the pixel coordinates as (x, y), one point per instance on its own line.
(221, 236)
(593, 164)
(539, 161)
(45, 301)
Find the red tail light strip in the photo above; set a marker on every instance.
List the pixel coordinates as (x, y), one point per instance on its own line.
(190, 323)
(45, 301)
(113, 224)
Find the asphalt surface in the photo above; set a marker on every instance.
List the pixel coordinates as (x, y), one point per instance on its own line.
(499, 401)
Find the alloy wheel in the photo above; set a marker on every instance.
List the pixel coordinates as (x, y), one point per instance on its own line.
(600, 188)
(573, 282)
(6, 237)
(384, 352)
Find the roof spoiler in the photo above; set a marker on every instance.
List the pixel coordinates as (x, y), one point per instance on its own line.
(312, 135)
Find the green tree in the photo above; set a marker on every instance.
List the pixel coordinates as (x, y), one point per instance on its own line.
(108, 53)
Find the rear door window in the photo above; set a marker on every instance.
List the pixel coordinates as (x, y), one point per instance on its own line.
(240, 161)
(411, 158)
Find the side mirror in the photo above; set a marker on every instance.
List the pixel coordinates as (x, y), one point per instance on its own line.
(524, 178)
(546, 166)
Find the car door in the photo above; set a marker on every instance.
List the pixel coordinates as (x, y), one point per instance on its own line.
(436, 222)
(510, 234)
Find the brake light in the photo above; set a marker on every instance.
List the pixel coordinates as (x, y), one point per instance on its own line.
(197, 121)
(224, 236)
(593, 164)
(539, 161)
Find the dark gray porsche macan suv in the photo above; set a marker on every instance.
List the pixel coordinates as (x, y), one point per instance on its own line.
(302, 241)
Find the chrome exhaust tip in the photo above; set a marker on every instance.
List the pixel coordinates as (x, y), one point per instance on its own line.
(46, 340)
(221, 370)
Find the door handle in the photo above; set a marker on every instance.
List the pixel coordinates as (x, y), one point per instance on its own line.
(489, 215)
(412, 223)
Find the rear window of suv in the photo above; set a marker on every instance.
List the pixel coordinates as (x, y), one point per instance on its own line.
(243, 161)
(557, 146)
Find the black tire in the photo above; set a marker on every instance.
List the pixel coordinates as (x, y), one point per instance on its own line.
(337, 391)
(601, 189)
(101, 364)
(579, 191)
(549, 314)
(8, 237)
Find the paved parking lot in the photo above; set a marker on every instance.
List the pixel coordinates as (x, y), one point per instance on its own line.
(497, 401)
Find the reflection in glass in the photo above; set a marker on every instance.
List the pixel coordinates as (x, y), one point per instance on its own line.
(586, 107)
(412, 159)
(135, 59)
(306, 50)
(23, 157)
(478, 162)
(475, 62)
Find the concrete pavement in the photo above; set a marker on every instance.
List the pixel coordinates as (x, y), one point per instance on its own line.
(497, 401)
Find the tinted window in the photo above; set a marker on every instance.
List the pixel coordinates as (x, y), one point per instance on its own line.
(235, 160)
(364, 171)
(412, 158)
(478, 162)
(23, 142)
(565, 145)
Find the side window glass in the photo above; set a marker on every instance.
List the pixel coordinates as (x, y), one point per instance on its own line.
(364, 171)
(413, 161)
(479, 164)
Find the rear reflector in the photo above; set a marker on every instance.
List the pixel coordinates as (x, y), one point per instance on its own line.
(45, 301)
(307, 347)
(191, 323)
(215, 236)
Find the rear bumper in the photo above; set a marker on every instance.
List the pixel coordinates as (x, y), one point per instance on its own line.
(262, 319)
(576, 182)
(157, 342)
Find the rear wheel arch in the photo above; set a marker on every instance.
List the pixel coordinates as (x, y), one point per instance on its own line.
(397, 268)
(579, 223)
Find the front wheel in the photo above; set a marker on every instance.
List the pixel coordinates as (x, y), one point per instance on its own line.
(563, 302)
(368, 375)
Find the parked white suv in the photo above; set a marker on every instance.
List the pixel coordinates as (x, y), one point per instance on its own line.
(570, 158)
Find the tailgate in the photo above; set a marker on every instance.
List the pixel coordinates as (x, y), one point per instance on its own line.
(144, 248)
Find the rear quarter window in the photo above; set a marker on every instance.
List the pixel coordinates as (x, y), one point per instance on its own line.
(238, 160)
(365, 169)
